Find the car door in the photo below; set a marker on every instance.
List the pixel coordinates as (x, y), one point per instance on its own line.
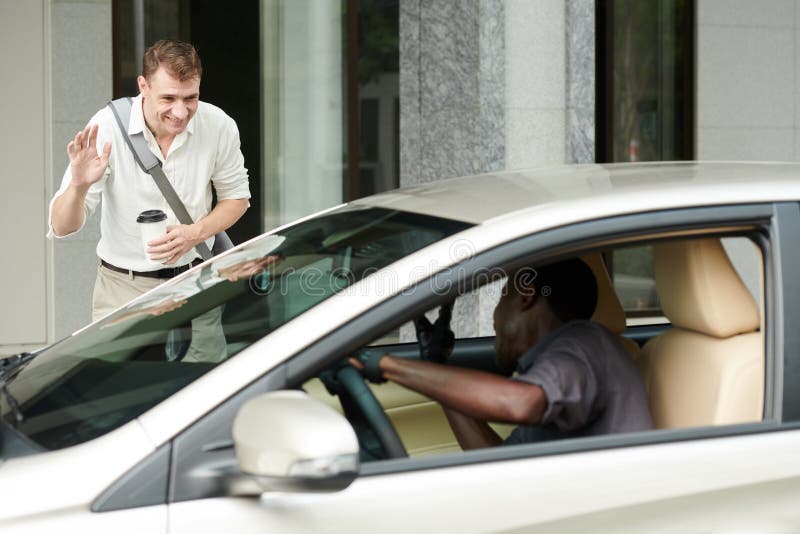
(718, 477)
(684, 487)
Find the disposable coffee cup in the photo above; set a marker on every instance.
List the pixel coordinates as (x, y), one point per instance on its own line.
(152, 224)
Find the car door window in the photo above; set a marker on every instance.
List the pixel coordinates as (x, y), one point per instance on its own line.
(637, 299)
(634, 281)
(472, 315)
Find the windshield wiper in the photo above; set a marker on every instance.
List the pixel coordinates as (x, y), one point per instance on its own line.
(12, 363)
(7, 367)
(12, 402)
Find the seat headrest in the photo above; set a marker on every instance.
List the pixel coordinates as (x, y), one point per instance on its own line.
(608, 312)
(700, 289)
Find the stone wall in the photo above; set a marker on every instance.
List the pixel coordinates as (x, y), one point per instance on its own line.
(81, 74)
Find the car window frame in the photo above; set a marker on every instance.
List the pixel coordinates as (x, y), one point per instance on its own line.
(786, 303)
(583, 237)
(775, 222)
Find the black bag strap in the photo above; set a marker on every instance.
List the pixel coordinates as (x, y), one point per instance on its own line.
(150, 164)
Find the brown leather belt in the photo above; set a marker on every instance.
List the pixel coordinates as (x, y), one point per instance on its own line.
(169, 272)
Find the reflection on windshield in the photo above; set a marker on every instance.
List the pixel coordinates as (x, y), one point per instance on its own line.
(119, 367)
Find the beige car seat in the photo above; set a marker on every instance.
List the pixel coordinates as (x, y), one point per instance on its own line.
(708, 369)
(609, 311)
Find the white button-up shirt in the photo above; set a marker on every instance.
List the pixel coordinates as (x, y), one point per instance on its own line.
(207, 152)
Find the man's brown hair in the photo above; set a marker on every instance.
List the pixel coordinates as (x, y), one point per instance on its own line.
(178, 58)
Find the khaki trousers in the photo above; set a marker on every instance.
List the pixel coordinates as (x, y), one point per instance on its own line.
(113, 289)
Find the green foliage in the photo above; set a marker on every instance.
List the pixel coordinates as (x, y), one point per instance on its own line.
(635, 261)
(378, 39)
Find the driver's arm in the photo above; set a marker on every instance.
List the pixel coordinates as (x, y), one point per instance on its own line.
(471, 433)
(474, 394)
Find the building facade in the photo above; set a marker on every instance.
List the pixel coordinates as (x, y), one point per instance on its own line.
(336, 99)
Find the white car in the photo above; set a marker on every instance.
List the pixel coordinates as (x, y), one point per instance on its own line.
(110, 430)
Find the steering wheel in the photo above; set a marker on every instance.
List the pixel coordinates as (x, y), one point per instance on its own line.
(435, 344)
(371, 410)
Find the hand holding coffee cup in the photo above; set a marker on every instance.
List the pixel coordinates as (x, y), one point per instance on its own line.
(152, 224)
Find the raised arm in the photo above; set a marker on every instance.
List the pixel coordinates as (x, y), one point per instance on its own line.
(87, 167)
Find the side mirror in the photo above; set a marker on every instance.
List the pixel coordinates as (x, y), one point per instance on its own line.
(289, 441)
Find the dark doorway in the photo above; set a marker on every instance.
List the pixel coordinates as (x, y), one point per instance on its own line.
(372, 84)
(229, 46)
(645, 54)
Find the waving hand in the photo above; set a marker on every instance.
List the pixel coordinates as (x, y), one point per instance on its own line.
(86, 164)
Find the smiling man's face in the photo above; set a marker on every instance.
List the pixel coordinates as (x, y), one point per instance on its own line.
(168, 103)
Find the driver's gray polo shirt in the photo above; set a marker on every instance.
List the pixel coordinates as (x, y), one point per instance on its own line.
(592, 385)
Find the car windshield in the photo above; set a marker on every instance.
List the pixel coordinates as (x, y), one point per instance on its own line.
(124, 364)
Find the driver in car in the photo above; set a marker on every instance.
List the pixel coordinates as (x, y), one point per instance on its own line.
(572, 376)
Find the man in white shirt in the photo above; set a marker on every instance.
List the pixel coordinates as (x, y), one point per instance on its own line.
(198, 145)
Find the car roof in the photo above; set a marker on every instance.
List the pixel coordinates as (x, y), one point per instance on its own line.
(479, 198)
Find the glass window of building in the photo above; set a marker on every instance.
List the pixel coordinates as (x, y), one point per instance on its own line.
(645, 80)
(312, 84)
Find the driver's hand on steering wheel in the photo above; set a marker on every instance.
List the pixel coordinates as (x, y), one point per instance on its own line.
(368, 362)
(436, 341)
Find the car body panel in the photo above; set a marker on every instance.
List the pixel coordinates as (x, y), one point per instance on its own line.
(64, 482)
(735, 484)
(656, 185)
(150, 519)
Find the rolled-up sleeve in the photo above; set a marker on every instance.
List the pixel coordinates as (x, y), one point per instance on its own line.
(230, 175)
(89, 204)
(95, 191)
(569, 384)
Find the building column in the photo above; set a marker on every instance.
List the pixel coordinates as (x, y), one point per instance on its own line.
(81, 77)
(748, 95)
(451, 88)
(580, 121)
(23, 106)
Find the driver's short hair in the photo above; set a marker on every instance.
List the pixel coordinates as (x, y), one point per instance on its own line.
(569, 287)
